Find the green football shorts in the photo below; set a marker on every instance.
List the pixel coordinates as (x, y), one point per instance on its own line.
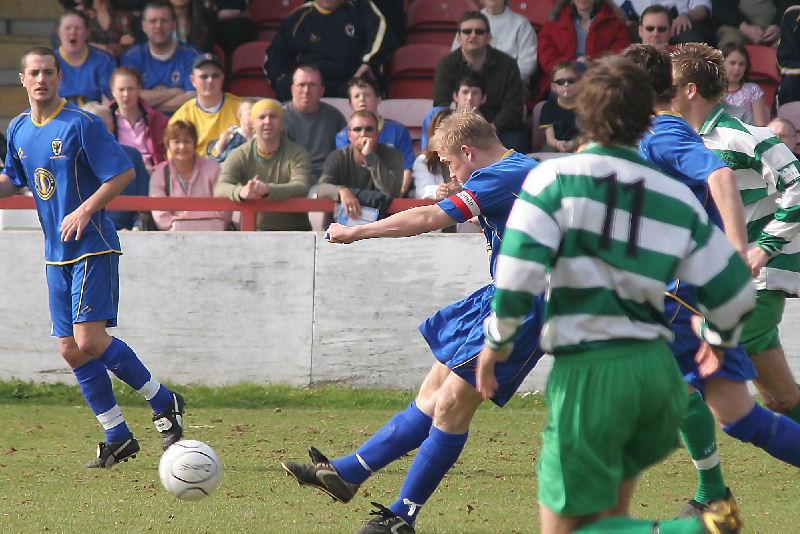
(760, 331)
(612, 412)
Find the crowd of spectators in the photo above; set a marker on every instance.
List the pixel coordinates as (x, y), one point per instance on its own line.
(158, 67)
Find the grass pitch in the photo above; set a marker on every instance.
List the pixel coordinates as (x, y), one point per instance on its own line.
(47, 432)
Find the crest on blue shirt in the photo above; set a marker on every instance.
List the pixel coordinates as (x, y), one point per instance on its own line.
(57, 144)
(45, 183)
(350, 30)
(175, 76)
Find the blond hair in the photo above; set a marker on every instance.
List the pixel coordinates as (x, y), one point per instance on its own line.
(464, 127)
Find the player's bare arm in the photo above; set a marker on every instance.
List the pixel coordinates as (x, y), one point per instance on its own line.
(725, 192)
(7, 189)
(404, 224)
(75, 222)
(485, 381)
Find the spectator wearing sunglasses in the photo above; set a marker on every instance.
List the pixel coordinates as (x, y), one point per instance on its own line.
(691, 19)
(580, 30)
(212, 111)
(558, 114)
(504, 90)
(654, 26)
(364, 165)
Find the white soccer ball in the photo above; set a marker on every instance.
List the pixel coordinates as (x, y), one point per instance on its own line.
(189, 469)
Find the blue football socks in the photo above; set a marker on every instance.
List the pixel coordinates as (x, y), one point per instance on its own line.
(775, 433)
(403, 433)
(435, 457)
(123, 362)
(96, 389)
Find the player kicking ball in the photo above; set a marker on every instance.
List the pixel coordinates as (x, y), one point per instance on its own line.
(438, 420)
(604, 232)
(75, 168)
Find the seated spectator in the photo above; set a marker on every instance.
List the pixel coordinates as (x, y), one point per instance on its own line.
(471, 93)
(740, 91)
(504, 92)
(691, 19)
(746, 22)
(136, 124)
(194, 24)
(513, 34)
(364, 93)
(789, 57)
(363, 172)
(268, 166)
(86, 69)
(432, 177)
(124, 220)
(111, 28)
(233, 23)
(343, 39)
(655, 25)
(185, 174)
(213, 111)
(310, 122)
(785, 131)
(219, 149)
(558, 114)
(164, 63)
(581, 30)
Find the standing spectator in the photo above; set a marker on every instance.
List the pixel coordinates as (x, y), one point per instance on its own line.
(343, 39)
(86, 68)
(746, 22)
(233, 23)
(740, 91)
(219, 149)
(186, 174)
(789, 57)
(364, 94)
(513, 34)
(655, 25)
(558, 114)
(124, 220)
(111, 27)
(504, 90)
(136, 124)
(353, 174)
(310, 122)
(691, 19)
(268, 166)
(212, 111)
(194, 24)
(164, 63)
(580, 30)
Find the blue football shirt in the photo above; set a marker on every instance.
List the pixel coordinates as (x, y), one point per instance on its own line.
(173, 72)
(89, 79)
(64, 160)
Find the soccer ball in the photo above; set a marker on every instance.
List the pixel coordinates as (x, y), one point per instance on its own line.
(189, 469)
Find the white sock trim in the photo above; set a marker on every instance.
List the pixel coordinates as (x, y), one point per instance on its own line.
(111, 418)
(709, 462)
(363, 463)
(149, 390)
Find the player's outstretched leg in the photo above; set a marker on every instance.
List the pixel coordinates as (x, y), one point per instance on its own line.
(698, 430)
(167, 406)
(342, 477)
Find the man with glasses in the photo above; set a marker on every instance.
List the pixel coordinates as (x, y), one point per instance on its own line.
(365, 165)
(504, 89)
(164, 62)
(654, 26)
(213, 111)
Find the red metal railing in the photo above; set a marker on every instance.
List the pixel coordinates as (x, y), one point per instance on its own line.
(248, 209)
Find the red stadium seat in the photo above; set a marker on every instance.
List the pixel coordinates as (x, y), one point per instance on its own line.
(268, 15)
(535, 11)
(247, 77)
(538, 137)
(435, 21)
(409, 112)
(342, 104)
(412, 68)
(220, 53)
(764, 71)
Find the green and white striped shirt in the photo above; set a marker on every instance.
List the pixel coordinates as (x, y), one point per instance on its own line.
(768, 176)
(605, 232)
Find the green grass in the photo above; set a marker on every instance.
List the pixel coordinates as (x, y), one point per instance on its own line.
(47, 432)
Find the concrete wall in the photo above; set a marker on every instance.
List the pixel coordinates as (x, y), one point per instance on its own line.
(221, 308)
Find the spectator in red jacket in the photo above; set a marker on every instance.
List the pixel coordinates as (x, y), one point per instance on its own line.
(580, 30)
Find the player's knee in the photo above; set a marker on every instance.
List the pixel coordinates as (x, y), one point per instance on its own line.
(90, 344)
(783, 406)
(71, 353)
